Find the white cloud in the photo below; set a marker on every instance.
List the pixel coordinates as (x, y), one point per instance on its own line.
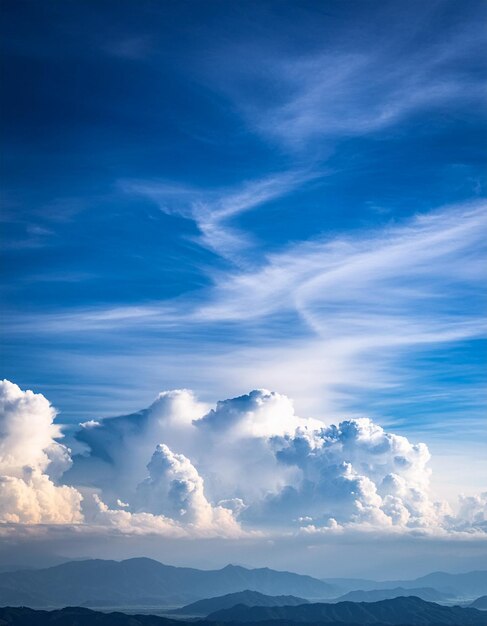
(212, 210)
(337, 92)
(118, 449)
(377, 280)
(472, 514)
(178, 469)
(356, 474)
(98, 514)
(261, 413)
(359, 306)
(30, 457)
(28, 432)
(253, 458)
(367, 312)
(232, 444)
(34, 499)
(175, 488)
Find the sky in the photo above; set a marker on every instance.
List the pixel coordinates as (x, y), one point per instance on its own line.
(254, 231)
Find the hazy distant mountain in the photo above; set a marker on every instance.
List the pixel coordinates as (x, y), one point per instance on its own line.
(12, 559)
(145, 582)
(480, 603)
(374, 595)
(351, 584)
(469, 584)
(247, 597)
(19, 597)
(399, 611)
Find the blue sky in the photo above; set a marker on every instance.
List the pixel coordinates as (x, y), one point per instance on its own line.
(224, 196)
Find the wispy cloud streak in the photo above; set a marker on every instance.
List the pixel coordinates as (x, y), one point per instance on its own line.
(213, 209)
(324, 321)
(340, 92)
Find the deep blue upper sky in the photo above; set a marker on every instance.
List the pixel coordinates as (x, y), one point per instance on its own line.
(166, 162)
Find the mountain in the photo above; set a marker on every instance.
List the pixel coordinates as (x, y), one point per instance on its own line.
(12, 559)
(352, 584)
(470, 584)
(145, 582)
(467, 585)
(247, 597)
(374, 595)
(480, 603)
(77, 616)
(399, 611)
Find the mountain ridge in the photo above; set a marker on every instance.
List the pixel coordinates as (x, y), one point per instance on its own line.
(247, 598)
(77, 616)
(479, 603)
(398, 611)
(471, 584)
(119, 583)
(425, 593)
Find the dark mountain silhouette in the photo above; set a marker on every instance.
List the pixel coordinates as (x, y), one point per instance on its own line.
(374, 595)
(144, 582)
(412, 611)
(480, 603)
(76, 616)
(247, 597)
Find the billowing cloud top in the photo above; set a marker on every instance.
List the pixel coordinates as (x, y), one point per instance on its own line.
(250, 465)
(30, 459)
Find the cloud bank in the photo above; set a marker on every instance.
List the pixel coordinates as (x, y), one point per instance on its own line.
(248, 467)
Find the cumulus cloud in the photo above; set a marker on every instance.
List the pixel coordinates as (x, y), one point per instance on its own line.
(28, 433)
(216, 441)
(175, 488)
(35, 499)
(32, 463)
(254, 459)
(233, 445)
(355, 473)
(472, 514)
(261, 413)
(31, 459)
(98, 514)
(249, 465)
(117, 450)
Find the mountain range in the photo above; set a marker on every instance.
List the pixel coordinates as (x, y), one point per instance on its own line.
(397, 612)
(468, 585)
(374, 595)
(145, 582)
